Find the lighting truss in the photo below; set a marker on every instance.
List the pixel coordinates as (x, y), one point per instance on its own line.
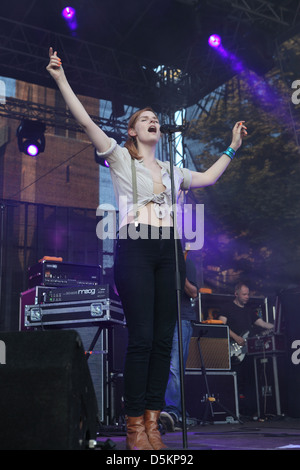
(282, 13)
(53, 116)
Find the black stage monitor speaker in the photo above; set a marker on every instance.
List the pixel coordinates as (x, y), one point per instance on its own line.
(47, 400)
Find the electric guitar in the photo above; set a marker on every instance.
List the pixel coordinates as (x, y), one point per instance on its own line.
(238, 352)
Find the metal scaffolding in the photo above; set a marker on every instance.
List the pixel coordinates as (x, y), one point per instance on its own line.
(111, 73)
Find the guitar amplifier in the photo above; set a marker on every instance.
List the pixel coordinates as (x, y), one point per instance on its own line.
(212, 340)
(59, 274)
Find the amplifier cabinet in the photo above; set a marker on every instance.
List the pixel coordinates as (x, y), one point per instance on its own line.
(222, 387)
(213, 341)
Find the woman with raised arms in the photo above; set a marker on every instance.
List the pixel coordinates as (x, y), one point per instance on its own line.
(144, 266)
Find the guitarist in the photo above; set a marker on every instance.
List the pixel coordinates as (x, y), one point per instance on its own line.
(240, 319)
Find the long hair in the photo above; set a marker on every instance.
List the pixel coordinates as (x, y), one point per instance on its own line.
(131, 143)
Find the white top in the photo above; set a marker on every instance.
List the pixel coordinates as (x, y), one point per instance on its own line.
(119, 160)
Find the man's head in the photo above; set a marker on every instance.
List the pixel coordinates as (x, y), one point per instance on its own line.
(242, 294)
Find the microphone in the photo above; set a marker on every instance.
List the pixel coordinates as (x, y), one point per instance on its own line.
(172, 128)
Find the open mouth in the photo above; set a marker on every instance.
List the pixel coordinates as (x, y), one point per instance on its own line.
(152, 129)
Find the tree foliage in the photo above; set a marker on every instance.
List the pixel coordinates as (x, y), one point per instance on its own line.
(252, 214)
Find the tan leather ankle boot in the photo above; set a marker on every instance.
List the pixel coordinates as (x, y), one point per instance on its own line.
(152, 431)
(136, 438)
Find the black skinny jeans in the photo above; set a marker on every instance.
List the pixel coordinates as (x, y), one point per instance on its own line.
(145, 279)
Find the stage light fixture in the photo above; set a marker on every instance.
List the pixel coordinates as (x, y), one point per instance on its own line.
(214, 40)
(69, 14)
(31, 139)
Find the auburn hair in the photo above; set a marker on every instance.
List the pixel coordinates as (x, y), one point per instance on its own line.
(131, 143)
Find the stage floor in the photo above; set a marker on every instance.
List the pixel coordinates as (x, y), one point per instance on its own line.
(271, 434)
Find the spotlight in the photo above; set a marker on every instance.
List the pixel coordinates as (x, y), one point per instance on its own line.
(31, 139)
(214, 40)
(69, 14)
(31, 148)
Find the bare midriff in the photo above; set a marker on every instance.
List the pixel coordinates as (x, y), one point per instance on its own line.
(147, 215)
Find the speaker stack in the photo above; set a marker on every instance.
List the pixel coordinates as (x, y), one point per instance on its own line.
(53, 372)
(210, 342)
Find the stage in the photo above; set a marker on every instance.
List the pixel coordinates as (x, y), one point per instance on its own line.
(277, 433)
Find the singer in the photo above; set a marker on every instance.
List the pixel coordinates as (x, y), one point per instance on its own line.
(144, 267)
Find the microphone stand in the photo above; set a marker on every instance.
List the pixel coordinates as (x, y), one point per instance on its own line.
(2, 211)
(178, 288)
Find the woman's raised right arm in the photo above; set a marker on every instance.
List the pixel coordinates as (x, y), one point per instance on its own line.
(99, 139)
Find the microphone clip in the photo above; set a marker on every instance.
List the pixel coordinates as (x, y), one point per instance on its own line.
(172, 128)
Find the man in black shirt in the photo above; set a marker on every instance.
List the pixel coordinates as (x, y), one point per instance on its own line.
(240, 319)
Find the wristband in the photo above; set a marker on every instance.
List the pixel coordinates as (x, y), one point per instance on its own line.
(230, 152)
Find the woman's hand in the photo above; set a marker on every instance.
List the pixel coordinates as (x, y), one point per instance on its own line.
(54, 67)
(238, 132)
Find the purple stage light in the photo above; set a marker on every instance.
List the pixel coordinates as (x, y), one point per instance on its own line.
(31, 138)
(214, 40)
(68, 13)
(32, 150)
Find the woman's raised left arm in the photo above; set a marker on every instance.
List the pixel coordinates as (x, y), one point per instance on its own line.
(212, 174)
